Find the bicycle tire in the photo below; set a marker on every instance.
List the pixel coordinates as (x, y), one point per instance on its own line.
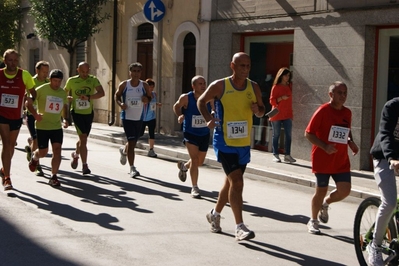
(364, 220)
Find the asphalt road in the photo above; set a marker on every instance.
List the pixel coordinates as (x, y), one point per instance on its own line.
(107, 218)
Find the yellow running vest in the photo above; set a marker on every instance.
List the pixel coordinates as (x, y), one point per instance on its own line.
(237, 113)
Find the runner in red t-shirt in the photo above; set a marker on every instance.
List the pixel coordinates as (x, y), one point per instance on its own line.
(329, 132)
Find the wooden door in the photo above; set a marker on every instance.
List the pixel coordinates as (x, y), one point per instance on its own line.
(144, 56)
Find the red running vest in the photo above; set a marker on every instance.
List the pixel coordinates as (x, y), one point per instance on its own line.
(12, 93)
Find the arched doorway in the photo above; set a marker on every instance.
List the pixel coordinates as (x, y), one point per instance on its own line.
(189, 71)
(145, 35)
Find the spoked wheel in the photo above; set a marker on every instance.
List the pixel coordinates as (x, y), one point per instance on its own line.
(363, 228)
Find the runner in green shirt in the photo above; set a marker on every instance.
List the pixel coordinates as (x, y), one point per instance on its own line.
(52, 104)
(41, 77)
(83, 89)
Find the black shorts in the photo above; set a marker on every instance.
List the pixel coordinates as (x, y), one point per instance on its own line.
(82, 122)
(30, 120)
(44, 136)
(202, 142)
(132, 129)
(230, 162)
(322, 179)
(151, 128)
(14, 124)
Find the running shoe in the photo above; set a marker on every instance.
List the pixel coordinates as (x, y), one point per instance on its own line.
(151, 153)
(33, 164)
(323, 214)
(123, 158)
(75, 160)
(39, 171)
(375, 255)
(243, 233)
(28, 152)
(86, 170)
(134, 172)
(54, 182)
(7, 183)
(182, 172)
(313, 227)
(195, 193)
(214, 220)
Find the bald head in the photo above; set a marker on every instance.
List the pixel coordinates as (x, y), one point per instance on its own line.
(83, 70)
(241, 65)
(239, 56)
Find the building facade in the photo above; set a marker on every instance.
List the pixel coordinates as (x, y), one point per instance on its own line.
(356, 42)
(320, 41)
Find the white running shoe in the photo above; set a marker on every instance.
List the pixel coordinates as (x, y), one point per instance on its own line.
(313, 227)
(195, 193)
(182, 172)
(134, 172)
(375, 255)
(243, 233)
(123, 158)
(214, 220)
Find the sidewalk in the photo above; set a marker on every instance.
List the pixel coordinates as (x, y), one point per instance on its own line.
(261, 165)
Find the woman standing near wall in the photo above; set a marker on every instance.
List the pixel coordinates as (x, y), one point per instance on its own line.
(281, 98)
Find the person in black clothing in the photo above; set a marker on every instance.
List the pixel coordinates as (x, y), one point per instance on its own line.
(385, 152)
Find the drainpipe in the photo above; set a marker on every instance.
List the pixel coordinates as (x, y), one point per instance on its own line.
(159, 74)
(110, 123)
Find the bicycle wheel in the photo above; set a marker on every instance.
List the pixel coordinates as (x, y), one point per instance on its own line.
(364, 227)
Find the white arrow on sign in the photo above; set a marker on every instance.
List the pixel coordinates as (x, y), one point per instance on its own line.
(154, 11)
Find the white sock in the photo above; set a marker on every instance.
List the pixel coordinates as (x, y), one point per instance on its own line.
(215, 212)
(35, 156)
(239, 225)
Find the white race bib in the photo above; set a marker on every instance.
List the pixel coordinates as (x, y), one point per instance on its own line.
(54, 104)
(134, 102)
(237, 129)
(153, 106)
(9, 100)
(338, 134)
(198, 121)
(82, 104)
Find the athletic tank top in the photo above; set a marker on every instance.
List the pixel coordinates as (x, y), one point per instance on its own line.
(235, 114)
(150, 108)
(194, 123)
(12, 93)
(132, 98)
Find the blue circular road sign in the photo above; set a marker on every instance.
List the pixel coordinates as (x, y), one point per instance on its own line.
(154, 10)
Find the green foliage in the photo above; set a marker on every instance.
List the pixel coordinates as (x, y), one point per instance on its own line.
(68, 23)
(10, 17)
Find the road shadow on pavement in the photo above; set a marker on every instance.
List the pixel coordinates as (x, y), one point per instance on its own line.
(262, 212)
(64, 210)
(16, 249)
(287, 254)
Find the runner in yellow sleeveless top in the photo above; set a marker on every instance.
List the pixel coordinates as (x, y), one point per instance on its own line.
(236, 99)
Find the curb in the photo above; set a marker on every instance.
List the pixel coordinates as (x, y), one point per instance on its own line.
(119, 139)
